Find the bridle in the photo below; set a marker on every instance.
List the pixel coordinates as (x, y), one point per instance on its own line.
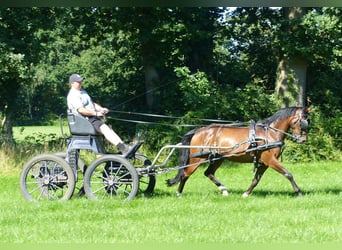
(304, 125)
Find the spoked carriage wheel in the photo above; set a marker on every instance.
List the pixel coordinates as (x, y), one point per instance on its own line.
(111, 177)
(47, 177)
(147, 181)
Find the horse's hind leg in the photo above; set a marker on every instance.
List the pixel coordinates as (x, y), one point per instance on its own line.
(210, 173)
(185, 176)
(258, 174)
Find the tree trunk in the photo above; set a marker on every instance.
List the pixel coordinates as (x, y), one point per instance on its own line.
(151, 80)
(292, 71)
(291, 82)
(7, 129)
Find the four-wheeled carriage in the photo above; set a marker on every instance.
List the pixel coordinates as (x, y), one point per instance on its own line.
(117, 176)
(114, 176)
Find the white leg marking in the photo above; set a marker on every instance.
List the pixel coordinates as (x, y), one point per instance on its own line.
(224, 190)
(245, 195)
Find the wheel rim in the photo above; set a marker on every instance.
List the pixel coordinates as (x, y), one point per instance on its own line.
(47, 178)
(111, 177)
(147, 181)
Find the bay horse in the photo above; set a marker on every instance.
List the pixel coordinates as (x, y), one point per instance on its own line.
(260, 143)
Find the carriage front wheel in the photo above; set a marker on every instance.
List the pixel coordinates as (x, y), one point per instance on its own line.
(47, 177)
(147, 181)
(111, 177)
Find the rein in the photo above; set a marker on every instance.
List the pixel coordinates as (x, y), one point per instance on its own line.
(303, 123)
(230, 123)
(294, 137)
(154, 123)
(303, 126)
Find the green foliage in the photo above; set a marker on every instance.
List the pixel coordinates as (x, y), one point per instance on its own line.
(167, 135)
(253, 102)
(323, 30)
(198, 93)
(12, 73)
(322, 145)
(43, 140)
(204, 98)
(252, 42)
(206, 66)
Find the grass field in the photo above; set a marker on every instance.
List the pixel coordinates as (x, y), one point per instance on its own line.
(20, 133)
(272, 214)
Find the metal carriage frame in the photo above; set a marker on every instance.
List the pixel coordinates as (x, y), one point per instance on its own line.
(110, 176)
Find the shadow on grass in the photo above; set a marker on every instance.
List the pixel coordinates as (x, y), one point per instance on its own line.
(172, 193)
(158, 193)
(333, 191)
(287, 193)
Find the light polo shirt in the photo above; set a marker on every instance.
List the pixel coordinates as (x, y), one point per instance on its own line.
(79, 98)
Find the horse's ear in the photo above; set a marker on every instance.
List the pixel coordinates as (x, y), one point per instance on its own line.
(307, 109)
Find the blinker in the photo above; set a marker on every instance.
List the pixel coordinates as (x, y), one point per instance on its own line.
(304, 124)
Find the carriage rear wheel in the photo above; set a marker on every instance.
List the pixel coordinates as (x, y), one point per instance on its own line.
(47, 177)
(111, 177)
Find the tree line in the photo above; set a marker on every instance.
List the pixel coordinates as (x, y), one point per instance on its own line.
(232, 64)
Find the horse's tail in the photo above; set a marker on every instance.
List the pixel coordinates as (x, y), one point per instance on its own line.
(183, 158)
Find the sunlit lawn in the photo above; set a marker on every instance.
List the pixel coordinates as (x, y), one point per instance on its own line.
(273, 214)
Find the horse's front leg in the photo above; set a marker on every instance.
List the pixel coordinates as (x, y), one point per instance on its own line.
(279, 168)
(210, 173)
(258, 174)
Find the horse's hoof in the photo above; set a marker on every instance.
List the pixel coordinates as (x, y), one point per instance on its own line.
(178, 194)
(224, 193)
(245, 195)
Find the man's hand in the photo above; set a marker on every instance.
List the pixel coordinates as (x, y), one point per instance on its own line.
(102, 111)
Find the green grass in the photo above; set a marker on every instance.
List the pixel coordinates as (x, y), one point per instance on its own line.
(272, 214)
(20, 133)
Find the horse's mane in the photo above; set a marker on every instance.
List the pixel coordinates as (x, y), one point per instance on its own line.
(279, 115)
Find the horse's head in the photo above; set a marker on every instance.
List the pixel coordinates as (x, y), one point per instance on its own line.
(300, 125)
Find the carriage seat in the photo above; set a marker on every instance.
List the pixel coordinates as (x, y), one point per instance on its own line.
(83, 134)
(79, 125)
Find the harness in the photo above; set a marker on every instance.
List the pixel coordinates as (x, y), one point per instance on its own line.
(256, 145)
(255, 148)
(251, 136)
(253, 144)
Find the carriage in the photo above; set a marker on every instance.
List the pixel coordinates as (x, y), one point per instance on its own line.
(121, 177)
